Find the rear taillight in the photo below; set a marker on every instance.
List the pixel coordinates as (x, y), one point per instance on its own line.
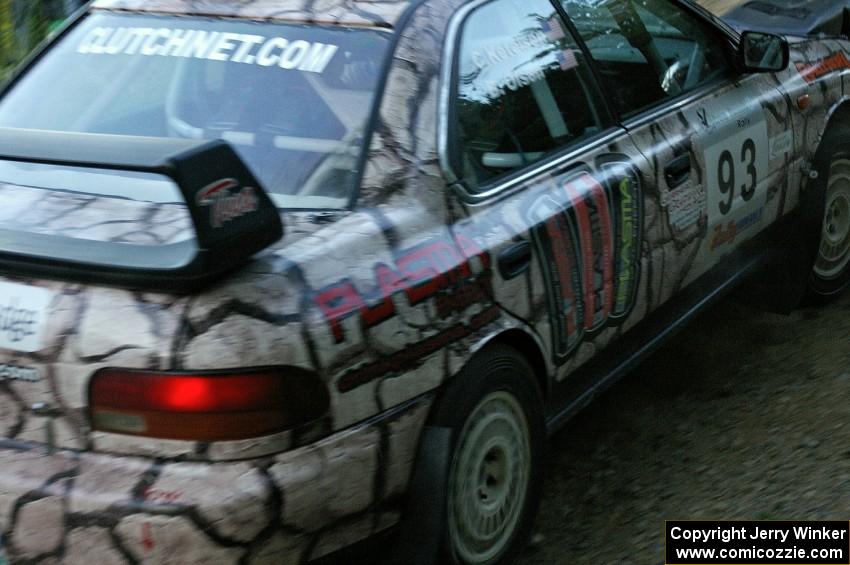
(210, 406)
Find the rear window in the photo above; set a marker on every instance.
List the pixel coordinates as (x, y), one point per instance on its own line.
(293, 100)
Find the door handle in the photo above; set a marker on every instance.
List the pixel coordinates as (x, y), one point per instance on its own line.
(514, 260)
(677, 171)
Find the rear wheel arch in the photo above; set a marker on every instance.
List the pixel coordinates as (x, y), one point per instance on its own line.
(425, 520)
(529, 348)
(495, 393)
(521, 341)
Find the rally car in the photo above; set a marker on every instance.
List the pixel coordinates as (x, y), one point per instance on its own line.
(278, 277)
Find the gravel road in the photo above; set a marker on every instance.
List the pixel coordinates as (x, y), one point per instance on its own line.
(743, 416)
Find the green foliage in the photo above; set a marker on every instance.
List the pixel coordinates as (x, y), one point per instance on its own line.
(23, 25)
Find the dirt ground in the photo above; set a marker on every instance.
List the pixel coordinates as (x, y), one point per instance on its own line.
(743, 416)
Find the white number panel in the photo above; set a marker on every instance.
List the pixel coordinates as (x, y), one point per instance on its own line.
(736, 152)
(736, 169)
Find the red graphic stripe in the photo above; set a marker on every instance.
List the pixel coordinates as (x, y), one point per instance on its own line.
(217, 186)
(562, 253)
(601, 200)
(575, 192)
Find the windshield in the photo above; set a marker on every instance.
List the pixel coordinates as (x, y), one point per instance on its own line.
(293, 100)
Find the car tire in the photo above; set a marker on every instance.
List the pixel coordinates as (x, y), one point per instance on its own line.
(830, 271)
(495, 411)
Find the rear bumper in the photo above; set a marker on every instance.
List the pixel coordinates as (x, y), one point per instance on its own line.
(302, 504)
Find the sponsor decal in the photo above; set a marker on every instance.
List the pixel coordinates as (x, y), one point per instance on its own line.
(685, 205)
(522, 75)
(781, 144)
(17, 323)
(438, 269)
(587, 236)
(23, 311)
(628, 245)
(519, 44)
(566, 59)
(590, 203)
(552, 28)
(242, 48)
(17, 373)
(497, 89)
(819, 69)
(726, 234)
(224, 204)
(558, 252)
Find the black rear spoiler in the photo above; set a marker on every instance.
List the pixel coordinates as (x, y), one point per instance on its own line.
(233, 218)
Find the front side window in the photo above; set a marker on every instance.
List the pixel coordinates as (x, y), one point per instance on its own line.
(293, 100)
(648, 50)
(524, 89)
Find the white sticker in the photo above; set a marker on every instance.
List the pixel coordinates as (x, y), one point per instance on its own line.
(737, 167)
(10, 372)
(507, 50)
(497, 89)
(23, 315)
(210, 45)
(685, 206)
(566, 59)
(781, 144)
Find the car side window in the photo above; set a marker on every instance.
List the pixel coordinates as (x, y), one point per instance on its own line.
(524, 90)
(648, 51)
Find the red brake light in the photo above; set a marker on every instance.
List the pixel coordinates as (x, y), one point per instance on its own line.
(189, 393)
(205, 407)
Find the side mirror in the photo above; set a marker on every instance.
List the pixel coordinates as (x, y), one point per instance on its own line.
(761, 52)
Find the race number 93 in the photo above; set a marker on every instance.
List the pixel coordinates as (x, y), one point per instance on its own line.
(735, 167)
(726, 168)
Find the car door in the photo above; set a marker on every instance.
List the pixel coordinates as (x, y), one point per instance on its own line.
(714, 146)
(547, 182)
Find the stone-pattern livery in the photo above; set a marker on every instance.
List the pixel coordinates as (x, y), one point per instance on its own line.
(76, 495)
(383, 13)
(287, 508)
